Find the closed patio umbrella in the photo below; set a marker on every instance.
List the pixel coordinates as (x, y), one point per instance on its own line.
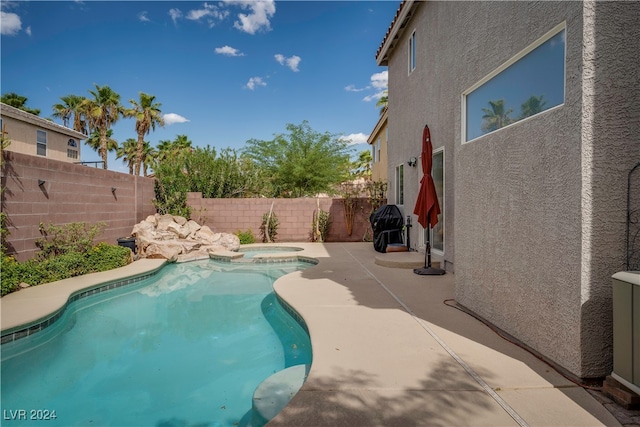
(427, 207)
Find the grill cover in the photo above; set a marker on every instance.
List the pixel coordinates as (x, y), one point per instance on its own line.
(387, 223)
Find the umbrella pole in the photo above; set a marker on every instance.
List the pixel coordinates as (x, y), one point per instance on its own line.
(427, 270)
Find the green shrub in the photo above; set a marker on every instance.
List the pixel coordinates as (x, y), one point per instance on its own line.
(271, 228)
(35, 272)
(321, 223)
(63, 239)
(246, 237)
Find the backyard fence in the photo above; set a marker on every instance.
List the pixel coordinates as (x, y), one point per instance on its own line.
(294, 215)
(40, 190)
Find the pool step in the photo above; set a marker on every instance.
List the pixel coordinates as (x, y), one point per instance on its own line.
(273, 394)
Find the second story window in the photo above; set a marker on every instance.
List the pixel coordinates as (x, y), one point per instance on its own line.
(41, 143)
(412, 52)
(72, 149)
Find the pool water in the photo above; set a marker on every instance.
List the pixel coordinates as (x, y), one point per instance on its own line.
(251, 252)
(187, 347)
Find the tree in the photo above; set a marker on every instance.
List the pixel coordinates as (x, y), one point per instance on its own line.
(95, 141)
(383, 102)
(71, 109)
(495, 117)
(531, 106)
(18, 101)
(147, 114)
(127, 152)
(303, 162)
(167, 148)
(102, 112)
(361, 168)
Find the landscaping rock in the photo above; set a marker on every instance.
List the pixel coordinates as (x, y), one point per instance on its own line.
(176, 239)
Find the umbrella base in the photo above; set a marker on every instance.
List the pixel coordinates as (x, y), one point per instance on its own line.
(428, 271)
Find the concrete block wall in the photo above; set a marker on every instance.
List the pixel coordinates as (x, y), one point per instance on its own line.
(295, 216)
(71, 193)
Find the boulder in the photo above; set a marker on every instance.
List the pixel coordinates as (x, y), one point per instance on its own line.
(177, 239)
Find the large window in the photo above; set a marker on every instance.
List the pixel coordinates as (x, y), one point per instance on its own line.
(400, 185)
(412, 52)
(41, 143)
(528, 84)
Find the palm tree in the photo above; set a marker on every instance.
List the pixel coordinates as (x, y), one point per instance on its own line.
(148, 157)
(495, 117)
(168, 148)
(383, 102)
(18, 101)
(531, 106)
(147, 114)
(71, 107)
(102, 112)
(95, 141)
(128, 152)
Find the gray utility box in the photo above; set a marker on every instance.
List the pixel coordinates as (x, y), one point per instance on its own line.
(626, 329)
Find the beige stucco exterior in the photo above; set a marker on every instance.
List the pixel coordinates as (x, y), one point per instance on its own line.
(535, 212)
(378, 142)
(22, 128)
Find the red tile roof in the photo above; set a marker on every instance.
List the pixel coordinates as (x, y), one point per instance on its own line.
(393, 22)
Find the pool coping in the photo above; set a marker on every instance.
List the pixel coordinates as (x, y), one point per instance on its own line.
(33, 309)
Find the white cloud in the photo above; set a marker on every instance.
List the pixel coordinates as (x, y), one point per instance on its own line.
(10, 24)
(175, 14)
(228, 51)
(258, 17)
(291, 62)
(143, 16)
(355, 138)
(255, 81)
(353, 88)
(211, 13)
(172, 118)
(28, 30)
(379, 82)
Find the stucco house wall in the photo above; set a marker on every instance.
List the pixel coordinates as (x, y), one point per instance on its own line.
(380, 164)
(538, 207)
(21, 128)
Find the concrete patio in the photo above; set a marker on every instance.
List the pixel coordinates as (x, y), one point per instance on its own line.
(386, 350)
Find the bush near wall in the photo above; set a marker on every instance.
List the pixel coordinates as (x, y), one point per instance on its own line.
(101, 257)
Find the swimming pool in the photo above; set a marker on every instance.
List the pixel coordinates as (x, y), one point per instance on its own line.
(252, 251)
(186, 347)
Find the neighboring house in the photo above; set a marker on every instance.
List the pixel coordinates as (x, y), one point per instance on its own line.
(33, 135)
(534, 115)
(378, 142)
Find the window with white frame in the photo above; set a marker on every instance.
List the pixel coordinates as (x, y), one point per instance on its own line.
(531, 82)
(378, 149)
(72, 149)
(400, 185)
(41, 142)
(412, 52)
(373, 153)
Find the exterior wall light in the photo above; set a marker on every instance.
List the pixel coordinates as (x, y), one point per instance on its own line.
(41, 182)
(413, 162)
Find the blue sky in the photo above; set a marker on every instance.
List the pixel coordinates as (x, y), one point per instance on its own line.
(224, 71)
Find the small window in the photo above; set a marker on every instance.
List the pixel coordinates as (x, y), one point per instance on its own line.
(72, 154)
(72, 143)
(412, 52)
(378, 148)
(373, 153)
(41, 142)
(400, 185)
(531, 82)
